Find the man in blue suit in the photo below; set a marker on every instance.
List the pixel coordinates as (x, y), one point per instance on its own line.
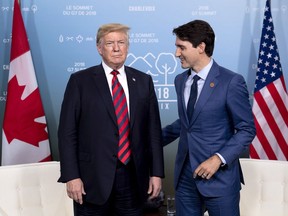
(208, 175)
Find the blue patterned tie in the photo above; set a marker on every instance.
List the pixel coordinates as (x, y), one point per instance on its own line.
(121, 110)
(193, 97)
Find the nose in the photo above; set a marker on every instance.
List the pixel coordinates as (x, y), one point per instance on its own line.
(177, 52)
(116, 47)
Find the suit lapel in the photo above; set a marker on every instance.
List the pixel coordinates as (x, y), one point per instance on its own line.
(182, 106)
(103, 87)
(132, 86)
(209, 86)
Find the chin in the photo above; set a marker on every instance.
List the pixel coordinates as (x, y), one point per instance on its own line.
(184, 66)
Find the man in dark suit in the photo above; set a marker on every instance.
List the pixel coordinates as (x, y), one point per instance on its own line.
(110, 147)
(215, 126)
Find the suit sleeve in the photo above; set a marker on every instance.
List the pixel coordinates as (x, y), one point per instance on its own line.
(241, 115)
(171, 132)
(157, 160)
(67, 132)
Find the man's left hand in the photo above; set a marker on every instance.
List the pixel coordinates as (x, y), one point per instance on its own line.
(155, 185)
(208, 168)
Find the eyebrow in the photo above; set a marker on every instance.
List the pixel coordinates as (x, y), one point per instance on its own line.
(180, 46)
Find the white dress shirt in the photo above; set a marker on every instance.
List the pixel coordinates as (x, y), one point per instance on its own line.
(203, 75)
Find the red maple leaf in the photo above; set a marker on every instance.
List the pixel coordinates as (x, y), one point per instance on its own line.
(19, 120)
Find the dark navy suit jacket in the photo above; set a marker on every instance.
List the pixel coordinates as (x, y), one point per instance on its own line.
(222, 123)
(88, 132)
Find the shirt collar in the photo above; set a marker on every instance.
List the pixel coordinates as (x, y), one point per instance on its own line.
(108, 70)
(204, 72)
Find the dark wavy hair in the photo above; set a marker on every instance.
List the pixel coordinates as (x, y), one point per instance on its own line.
(196, 32)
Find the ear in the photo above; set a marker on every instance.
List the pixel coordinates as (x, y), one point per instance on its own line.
(99, 48)
(202, 47)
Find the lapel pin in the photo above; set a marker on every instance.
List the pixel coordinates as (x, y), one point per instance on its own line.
(212, 84)
(133, 79)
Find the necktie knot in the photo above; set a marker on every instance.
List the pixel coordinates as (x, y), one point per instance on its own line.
(196, 78)
(115, 73)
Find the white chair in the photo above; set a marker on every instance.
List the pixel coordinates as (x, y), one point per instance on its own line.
(33, 190)
(265, 192)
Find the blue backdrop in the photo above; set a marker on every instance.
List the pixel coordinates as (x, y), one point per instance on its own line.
(62, 41)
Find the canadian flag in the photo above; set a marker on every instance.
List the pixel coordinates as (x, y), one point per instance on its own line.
(25, 134)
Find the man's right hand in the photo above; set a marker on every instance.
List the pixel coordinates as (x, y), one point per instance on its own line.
(75, 190)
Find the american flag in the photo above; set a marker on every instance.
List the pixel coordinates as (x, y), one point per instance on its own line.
(270, 105)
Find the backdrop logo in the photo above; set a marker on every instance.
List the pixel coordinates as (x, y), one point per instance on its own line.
(79, 10)
(75, 38)
(3, 96)
(7, 40)
(261, 10)
(141, 8)
(77, 66)
(33, 8)
(161, 68)
(204, 10)
(5, 8)
(6, 67)
(143, 37)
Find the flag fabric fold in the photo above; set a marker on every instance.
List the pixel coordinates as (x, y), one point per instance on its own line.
(25, 133)
(270, 104)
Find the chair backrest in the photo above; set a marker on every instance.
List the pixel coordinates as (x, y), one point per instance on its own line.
(33, 190)
(265, 192)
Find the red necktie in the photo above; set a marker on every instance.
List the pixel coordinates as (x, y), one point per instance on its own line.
(121, 110)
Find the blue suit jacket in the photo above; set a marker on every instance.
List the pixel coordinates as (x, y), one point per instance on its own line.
(222, 122)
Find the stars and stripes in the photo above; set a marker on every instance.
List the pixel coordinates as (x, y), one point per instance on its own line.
(270, 105)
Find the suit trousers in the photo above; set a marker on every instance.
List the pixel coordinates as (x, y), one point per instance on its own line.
(190, 202)
(124, 199)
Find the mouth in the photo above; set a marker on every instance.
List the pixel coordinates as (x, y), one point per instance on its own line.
(116, 56)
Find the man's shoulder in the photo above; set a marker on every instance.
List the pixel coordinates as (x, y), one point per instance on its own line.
(135, 72)
(128, 68)
(88, 71)
(224, 71)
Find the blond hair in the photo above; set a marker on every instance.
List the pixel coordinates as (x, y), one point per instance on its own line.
(111, 27)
